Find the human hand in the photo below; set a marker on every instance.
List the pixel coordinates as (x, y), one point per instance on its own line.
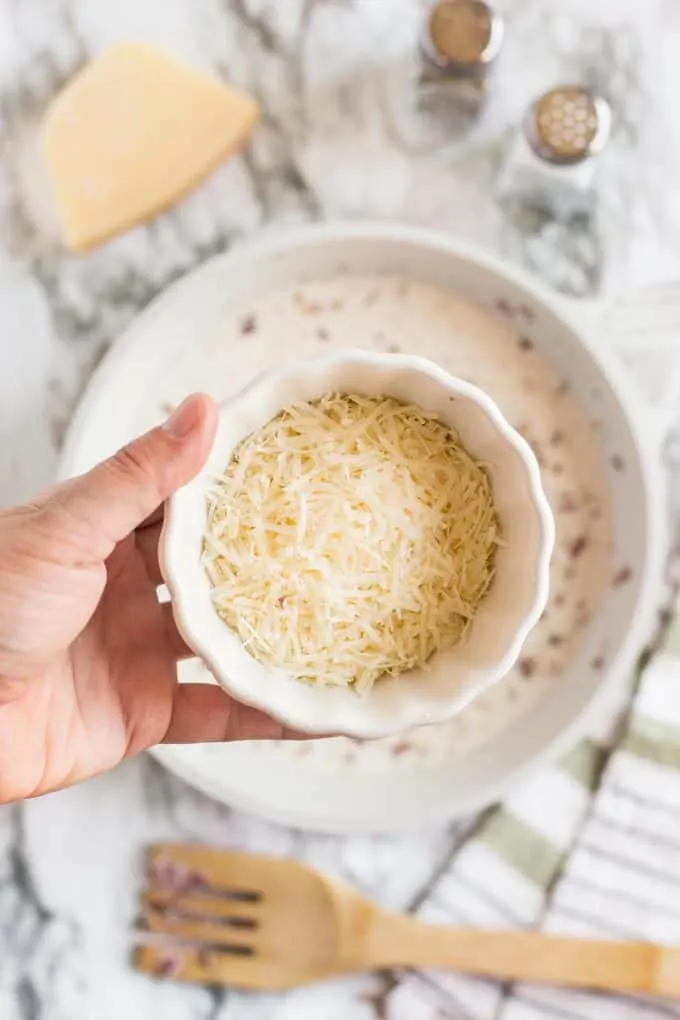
(88, 655)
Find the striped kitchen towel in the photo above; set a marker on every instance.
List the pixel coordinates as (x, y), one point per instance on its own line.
(590, 846)
(557, 857)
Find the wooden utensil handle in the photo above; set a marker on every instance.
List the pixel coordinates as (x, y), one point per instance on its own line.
(529, 956)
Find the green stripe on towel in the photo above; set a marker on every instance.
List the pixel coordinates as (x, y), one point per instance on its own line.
(671, 643)
(521, 846)
(584, 763)
(653, 740)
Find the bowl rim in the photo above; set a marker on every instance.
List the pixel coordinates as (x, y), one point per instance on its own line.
(361, 718)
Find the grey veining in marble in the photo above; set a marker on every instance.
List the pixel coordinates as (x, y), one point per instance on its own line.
(338, 140)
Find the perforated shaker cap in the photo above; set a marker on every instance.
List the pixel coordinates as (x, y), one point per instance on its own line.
(568, 124)
(462, 35)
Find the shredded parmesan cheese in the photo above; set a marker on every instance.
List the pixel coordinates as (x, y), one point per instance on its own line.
(349, 539)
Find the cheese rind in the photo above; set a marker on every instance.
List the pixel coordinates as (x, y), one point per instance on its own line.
(134, 131)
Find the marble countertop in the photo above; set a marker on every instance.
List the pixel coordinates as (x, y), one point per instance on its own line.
(338, 140)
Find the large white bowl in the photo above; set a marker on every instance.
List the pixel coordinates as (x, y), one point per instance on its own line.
(178, 342)
(453, 676)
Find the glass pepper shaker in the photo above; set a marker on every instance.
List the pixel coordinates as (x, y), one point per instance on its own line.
(459, 42)
(437, 102)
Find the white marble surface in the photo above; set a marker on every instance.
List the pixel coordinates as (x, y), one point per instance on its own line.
(336, 141)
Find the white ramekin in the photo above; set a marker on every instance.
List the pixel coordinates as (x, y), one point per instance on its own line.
(452, 677)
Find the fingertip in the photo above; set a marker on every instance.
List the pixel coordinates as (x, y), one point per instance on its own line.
(211, 414)
(196, 413)
(203, 412)
(193, 425)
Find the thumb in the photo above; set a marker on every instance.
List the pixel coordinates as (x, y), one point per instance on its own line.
(121, 492)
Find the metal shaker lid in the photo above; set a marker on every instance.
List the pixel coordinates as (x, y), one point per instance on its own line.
(462, 35)
(568, 124)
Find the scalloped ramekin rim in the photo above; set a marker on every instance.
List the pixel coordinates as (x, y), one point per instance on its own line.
(360, 718)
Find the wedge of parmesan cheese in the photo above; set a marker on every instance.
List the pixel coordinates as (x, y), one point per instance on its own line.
(132, 133)
(349, 539)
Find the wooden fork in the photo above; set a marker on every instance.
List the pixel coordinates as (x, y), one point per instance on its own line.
(260, 922)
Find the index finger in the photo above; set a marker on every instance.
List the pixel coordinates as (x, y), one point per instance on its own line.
(203, 713)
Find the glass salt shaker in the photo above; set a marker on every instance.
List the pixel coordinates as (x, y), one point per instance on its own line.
(548, 186)
(553, 160)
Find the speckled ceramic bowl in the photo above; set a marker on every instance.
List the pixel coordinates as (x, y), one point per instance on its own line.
(193, 337)
(452, 677)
